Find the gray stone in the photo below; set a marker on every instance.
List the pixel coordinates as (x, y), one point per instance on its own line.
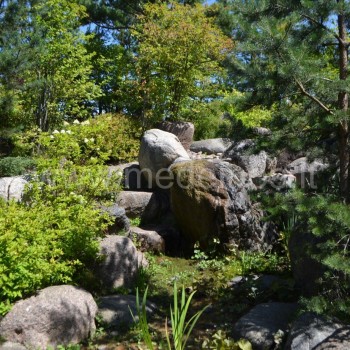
(12, 187)
(120, 221)
(303, 165)
(117, 311)
(211, 146)
(134, 202)
(11, 346)
(183, 130)
(310, 331)
(238, 148)
(262, 131)
(147, 240)
(276, 182)
(158, 150)
(58, 315)
(261, 323)
(120, 262)
(339, 340)
(209, 200)
(254, 164)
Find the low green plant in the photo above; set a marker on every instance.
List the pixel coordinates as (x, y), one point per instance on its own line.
(13, 166)
(180, 326)
(181, 329)
(141, 321)
(220, 341)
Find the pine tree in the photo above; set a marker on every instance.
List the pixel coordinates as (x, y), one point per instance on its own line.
(295, 53)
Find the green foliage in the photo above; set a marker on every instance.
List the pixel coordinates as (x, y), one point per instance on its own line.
(12, 166)
(141, 322)
(181, 329)
(177, 58)
(105, 138)
(53, 81)
(220, 341)
(328, 219)
(45, 243)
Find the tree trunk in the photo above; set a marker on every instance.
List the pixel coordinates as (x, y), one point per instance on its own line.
(343, 104)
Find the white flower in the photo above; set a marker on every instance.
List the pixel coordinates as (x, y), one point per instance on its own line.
(39, 130)
(98, 148)
(86, 122)
(69, 132)
(76, 121)
(92, 139)
(63, 131)
(65, 123)
(52, 137)
(86, 140)
(55, 131)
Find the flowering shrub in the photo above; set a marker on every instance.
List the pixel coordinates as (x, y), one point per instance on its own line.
(106, 138)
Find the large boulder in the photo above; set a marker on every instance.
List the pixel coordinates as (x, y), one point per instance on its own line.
(12, 187)
(117, 311)
(211, 146)
(120, 262)
(209, 200)
(158, 150)
(310, 331)
(183, 130)
(261, 324)
(58, 315)
(134, 202)
(239, 147)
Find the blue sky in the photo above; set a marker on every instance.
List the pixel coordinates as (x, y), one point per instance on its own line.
(209, 2)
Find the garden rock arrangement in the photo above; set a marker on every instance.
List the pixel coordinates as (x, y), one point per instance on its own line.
(58, 315)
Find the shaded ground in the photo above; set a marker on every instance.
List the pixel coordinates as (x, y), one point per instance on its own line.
(210, 279)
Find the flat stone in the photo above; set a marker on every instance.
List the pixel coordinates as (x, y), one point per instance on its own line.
(261, 323)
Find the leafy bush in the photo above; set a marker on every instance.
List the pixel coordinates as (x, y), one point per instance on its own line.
(51, 237)
(45, 243)
(13, 166)
(99, 140)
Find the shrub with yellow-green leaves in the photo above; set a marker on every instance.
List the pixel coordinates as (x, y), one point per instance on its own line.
(105, 138)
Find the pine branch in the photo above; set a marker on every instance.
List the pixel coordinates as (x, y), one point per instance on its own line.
(313, 98)
(340, 40)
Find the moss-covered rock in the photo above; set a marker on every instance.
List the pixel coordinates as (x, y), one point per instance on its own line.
(210, 200)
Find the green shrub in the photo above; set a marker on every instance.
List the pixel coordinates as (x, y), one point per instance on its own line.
(45, 243)
(52, 236)
(106, 138)
(13, 166)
